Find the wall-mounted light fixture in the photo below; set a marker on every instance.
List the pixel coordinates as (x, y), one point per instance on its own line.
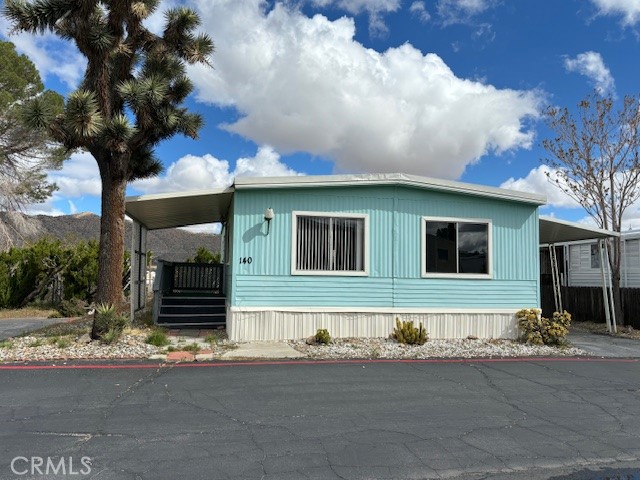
(268, 216)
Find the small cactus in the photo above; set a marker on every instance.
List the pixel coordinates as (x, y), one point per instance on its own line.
(406, 333)
(322, 336)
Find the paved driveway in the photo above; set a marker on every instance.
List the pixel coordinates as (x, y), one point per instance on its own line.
(470, 420)
(15, 326)
(606, 345)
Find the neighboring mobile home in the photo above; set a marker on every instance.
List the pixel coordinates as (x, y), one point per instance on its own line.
(351, 253)
(582, 262)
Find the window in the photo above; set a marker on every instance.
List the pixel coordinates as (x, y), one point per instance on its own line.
(456, 247)
(595, 256)
(329, 244)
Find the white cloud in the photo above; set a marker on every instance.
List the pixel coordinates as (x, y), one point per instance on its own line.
(206, 172)
(305, 84)
(628, 9)
(420, 11)
(537, 181)
(375, 9)
(591, 65)
(453, 12)
(51, 55)
(78, 177)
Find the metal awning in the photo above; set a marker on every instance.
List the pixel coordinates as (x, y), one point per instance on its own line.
(168, 210)
(553, 230)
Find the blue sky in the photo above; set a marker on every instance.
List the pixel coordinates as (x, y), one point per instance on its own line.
(443, 88)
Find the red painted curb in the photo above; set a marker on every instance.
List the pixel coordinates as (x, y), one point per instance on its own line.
(317, 362)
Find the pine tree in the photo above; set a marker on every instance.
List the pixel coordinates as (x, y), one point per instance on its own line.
(25, 153)
(129, 100)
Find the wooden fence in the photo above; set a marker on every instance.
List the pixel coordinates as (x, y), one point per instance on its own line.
(586, 303)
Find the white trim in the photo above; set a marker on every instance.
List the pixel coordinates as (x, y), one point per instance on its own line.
(357, 309)
(332, 273)
(423, 248)
(387, 179)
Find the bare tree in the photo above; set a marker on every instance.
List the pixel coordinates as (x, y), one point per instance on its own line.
(595, 155)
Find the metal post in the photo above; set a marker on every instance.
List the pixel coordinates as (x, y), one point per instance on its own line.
(611, 301)
(555, 278)
(605, 296)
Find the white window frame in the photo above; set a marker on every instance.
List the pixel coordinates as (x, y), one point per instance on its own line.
(423, 247)
(332, 273)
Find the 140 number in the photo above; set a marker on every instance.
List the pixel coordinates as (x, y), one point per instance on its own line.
(246, 260)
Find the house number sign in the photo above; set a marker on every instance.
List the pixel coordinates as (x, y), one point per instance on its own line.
(246, 260)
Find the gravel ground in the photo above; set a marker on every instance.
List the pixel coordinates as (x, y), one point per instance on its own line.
(22, 349)
(386, 348)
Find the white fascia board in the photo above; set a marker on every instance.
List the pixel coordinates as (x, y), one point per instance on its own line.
(387, 179)
(169, 195)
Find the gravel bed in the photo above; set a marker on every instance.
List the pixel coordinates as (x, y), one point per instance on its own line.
(387, 348)
(129, 346)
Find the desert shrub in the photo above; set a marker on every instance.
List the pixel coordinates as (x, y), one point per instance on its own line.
(322, 336)
(158, 338)
(73, 307)
(108, 323)
(538, 330)
(406, 332)
(203, 255)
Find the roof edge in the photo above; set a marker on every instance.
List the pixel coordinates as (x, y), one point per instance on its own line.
(189, 193)
(309, 181)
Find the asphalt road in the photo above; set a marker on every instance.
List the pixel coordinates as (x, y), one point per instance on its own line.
(470, 420)
(16, 326)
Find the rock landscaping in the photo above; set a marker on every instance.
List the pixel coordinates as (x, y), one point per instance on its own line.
(71, 340)
(360, 348)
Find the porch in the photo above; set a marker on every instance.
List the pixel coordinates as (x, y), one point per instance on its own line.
(185, 295)
(189, 295)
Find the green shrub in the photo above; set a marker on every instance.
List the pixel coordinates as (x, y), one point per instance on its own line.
(108, 324)
(158, 338)
(538, 330)
(322, 336)
(63, 342)
(111, 336)
(74, 307)
(406, 333)
(193, 348)
(8, 344)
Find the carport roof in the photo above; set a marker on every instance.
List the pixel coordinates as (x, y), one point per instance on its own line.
(553, 230)
(168, 210)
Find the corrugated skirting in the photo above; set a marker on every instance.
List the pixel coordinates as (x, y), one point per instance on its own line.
(256, 325)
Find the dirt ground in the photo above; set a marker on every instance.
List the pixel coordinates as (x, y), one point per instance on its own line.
(591, 327)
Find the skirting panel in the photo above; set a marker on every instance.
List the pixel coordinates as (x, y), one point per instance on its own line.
(265, 325)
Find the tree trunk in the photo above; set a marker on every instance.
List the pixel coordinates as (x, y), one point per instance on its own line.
(111, 255)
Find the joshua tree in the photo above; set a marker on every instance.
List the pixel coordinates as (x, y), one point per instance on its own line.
(129, 100)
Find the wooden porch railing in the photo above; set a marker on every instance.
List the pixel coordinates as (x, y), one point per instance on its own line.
(198, 277)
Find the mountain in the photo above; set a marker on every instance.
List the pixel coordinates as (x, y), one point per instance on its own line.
(174, 244)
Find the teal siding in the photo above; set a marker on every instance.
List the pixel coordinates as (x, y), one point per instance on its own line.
(394, 279)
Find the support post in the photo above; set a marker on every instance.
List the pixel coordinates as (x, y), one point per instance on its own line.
(555, 278)
(138, 267)
(605, 295)
(611, 300)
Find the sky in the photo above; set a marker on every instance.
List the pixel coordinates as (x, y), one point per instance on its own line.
(452, 89)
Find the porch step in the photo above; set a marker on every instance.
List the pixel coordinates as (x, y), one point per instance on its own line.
(192, 310)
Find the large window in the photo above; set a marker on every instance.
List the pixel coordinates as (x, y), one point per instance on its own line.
(456, 247)
(329, 244)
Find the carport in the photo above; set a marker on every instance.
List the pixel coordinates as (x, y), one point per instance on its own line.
(554, 231)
